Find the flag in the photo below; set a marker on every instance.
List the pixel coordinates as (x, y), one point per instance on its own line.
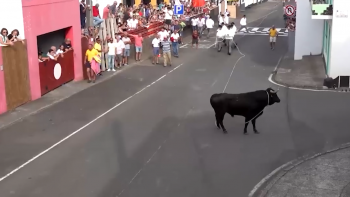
(198, 3)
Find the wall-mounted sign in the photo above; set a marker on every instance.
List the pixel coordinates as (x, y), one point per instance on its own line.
(343, 13)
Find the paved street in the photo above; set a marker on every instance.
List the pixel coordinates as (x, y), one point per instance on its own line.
(149, 131)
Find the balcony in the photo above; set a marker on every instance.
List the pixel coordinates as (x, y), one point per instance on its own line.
(321, 10)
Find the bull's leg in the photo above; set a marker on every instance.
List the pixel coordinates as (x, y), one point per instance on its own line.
(253, 122)
(254, 128)
(217, 122)
(245, 127)
(221, 120)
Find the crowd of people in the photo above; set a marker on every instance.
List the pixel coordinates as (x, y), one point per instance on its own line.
(165, 43)
(54, 53)
(128, 18)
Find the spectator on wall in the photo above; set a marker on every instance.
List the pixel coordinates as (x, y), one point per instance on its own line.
(96, 15)
(83, 8)
(105, 14)
(4, 39)
(52, 54)
(15, 36)
(61, 49)
(113, 9)
(67, 44)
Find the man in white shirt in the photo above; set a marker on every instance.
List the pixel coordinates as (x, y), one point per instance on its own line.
(168, 16)
(219, 37)
(163, 33)
(200, 25)
(156, 52)
(224, 31)
(194, 21)
(209, 25)
(230, 34)
(111, 54)
(134, 22)
(226, 19)
(243, 24)
(174, 37)
(120, 47)
(221, 19)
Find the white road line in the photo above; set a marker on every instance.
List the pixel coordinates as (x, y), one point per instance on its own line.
(83, 127)
(183, 45)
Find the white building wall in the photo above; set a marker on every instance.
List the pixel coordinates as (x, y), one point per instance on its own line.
(308, 33)
(12, 16)
(340, 40)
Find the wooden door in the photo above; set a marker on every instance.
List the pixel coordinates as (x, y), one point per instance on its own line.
(15, 62)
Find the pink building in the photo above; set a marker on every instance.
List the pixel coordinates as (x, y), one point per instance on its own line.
(32, 19)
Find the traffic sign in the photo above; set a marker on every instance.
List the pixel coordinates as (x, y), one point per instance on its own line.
(179, 9)
(289, 10)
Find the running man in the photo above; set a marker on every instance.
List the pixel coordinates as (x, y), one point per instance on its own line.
(273, 35)
(243, 24)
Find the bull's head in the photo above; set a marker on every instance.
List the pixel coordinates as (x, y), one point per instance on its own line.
(273, 96)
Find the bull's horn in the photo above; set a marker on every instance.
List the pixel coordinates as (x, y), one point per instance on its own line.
(274, 92)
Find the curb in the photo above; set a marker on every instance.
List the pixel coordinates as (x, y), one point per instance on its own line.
(272, 79)
(263, 187)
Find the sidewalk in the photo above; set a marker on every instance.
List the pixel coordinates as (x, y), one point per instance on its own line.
(306, 73)
(324, 175)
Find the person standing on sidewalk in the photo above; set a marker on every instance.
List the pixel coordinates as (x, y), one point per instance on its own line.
(138, 45)
(110, 54)
(120, 47)
(273, 35)
(89, 55)
(155, 46)
(243, 24)
(175, 43)
(127, 43)
(166, 51)
(209, 25)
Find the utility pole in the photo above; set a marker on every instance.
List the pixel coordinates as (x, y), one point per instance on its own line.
(89, 13)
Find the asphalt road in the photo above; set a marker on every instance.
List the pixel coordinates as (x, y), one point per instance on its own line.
(162, 141)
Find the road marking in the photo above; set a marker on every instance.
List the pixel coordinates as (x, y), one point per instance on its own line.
(214, 83)
(83, 127)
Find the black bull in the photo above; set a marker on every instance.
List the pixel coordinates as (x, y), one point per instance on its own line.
(249, 105)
